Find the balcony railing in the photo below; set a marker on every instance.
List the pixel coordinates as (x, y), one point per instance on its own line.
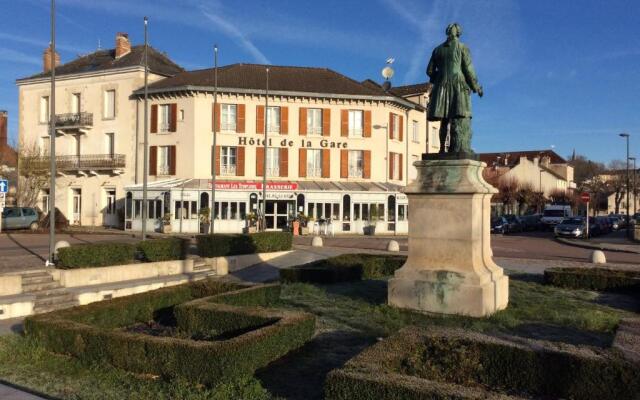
(93, 162)
(73, 120)
(273, 171)
(228, 169)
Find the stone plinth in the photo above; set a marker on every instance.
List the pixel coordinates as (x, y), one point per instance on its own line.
(450, 267)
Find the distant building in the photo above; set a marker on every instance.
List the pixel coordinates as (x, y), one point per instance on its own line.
(8, 157)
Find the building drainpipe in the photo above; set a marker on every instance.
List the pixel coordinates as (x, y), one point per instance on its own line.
(406, 156)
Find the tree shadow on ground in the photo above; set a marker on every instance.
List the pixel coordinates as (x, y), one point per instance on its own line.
(302, 373)
(563, 334)
(524, 277)
(626, 301)
(372, 291)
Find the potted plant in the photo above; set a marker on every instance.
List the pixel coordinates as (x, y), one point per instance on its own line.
(370, 229)
(166, 223)
(300, 224)
(205, 219)
(252, 219)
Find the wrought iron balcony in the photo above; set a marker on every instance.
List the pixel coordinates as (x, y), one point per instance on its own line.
(85, 162)
(74, 120)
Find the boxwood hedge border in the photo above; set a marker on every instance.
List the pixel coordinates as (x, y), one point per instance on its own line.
(597, 278)
(343, 268)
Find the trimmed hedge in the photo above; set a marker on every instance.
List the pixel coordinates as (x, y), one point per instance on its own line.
(220, 245)
(343, 268)
(251, 336)
(164, 249)
(440, 363)
(95, 255)
(602, 279)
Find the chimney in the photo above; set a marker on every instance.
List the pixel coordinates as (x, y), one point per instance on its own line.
(46, 59)
(4, 121)
(123, 46)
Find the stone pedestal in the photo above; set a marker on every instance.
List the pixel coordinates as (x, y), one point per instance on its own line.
(450, 267)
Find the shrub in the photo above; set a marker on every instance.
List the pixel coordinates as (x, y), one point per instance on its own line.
(220, 245)
(95, 255)
(343, 268)
(164, 249)
(592, 278)
(250, 336)
(438, 363)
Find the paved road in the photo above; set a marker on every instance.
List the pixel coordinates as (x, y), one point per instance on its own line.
(538, 245)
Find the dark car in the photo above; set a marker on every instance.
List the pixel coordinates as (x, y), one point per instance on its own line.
(595, 229)
(605, 225)
(615, 223)
(571, 227)
(499, 225)
(515, 223)
(532, 222)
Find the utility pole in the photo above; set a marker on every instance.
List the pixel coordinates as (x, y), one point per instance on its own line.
(635, 187)
(628, 220)
(266, 149)
(214, 165)
(52, 146)
(145, 160)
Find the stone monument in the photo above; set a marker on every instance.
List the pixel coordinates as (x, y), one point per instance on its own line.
(450, 267)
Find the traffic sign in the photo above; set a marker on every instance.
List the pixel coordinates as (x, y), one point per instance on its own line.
(4, 186)
(585, 197)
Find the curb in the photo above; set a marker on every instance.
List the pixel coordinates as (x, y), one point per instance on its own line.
(595, 246)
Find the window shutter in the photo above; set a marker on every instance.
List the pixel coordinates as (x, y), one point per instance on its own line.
(401, 130)
(302, 122)
(366, 167)
(215, 155)
(154, 118)
(215, 117)
(391, 126)
(153, 160)
(344, 123)
(302, 163)
(172, 160)
(284, 162)
(284, 120)
(240, 161)
(259, 161)
(240, 118)
(367, 124)
(344, 163)
(326, 122)
(391, 166)
(400, 166)
(326, 164)
(174, 117)
(259, 119)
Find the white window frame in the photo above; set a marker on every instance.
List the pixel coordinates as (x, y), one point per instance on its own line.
(229, 114)
(76, 103)
(45, 201)
(356, 164)
(356, 123)
(272, 115)
(415, 131)
(109, 104)
(44, 110)
(273, 161)
(314, 122)
(110, 143)
(228, 160)
(164, 117)
(163, 162)
(314, 163)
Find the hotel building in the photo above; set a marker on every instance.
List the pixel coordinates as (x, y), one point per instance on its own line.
(337, 149)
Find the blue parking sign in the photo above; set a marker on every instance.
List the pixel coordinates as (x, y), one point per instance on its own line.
(4, 186)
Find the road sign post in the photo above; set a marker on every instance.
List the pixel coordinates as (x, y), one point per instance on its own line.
(586, 198)
(2, 204)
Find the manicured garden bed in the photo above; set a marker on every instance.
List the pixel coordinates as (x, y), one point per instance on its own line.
(220, 245)
(597, 278)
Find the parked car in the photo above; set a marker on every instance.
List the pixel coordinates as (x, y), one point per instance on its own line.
(594, 228)
(499, 225)
(20, 218)
(515, 223)
(532, 222)
(605, 224)
(555, 214)
(571, 227)
(615, 223)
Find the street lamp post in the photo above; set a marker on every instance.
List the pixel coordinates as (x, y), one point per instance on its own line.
(266, 151)
(626, 136)
(635, 188)
(214, 165)
(52, 146)
(145, 150)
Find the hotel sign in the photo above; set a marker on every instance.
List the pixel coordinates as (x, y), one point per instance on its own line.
(255, 185)
(322, 143)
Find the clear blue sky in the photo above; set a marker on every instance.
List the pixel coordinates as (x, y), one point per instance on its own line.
(555, 73)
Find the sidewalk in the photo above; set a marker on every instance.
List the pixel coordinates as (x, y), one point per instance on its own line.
(610, 244)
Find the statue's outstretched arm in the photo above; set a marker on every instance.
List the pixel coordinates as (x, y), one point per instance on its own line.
(469, 72)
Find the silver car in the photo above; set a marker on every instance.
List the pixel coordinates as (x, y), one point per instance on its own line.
(20, 218)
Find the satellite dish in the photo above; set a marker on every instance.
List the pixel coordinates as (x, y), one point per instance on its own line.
(387, 72)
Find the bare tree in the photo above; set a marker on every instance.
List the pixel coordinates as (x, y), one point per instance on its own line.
(617, 182)
(525, 196)
(33, 174)
(508, 192)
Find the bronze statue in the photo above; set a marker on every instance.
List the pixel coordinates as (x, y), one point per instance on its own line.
(453, 78)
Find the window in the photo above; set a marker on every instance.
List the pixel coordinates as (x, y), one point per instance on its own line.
(181, 115)
(185, 210)
(314, 121)
(109, 110)
(273, 161)
(165, 117)
(45, 145)
(355, 123)
(45, 201)
(273, 120)
(395, 134)
(415, 132)
(228, 160)
(228, 122)
(356, 162)
(44, 109)
(111, 202)
(230, 210)
(434, 136)
(75, 103)
(402, 212)
(163, 160)
(110, 144)
(314, 163)
(397, 168)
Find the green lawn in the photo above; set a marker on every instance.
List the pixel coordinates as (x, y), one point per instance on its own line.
(350, 317)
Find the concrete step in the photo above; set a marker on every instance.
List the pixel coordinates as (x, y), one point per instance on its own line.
(38, 277)
(54, 298)
(201, 267)
(44, 308)
(40, 286)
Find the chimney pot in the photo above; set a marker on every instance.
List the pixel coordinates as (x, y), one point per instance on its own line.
(47, 60)
(123, 46)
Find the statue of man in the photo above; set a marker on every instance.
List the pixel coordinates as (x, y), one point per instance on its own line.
(453, 78)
